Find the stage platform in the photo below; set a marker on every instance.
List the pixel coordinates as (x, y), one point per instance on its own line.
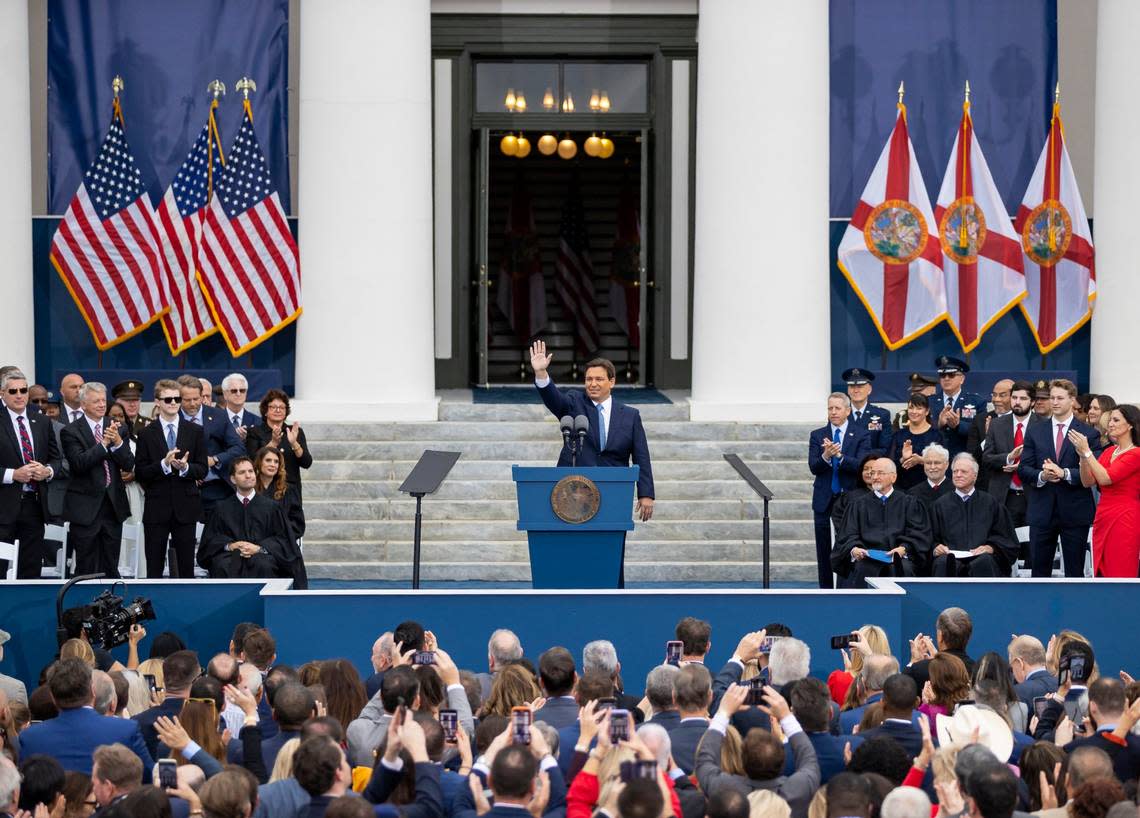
(324, 624)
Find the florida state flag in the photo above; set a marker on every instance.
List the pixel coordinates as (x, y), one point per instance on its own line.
(890, 253)
(1059, 271)
(984, 274)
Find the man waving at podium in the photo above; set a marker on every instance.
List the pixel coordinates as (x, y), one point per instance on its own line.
(616, 435)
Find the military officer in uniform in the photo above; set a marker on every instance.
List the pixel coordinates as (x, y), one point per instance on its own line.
(874, 420)
(1041, 406)
(129, 393)
(919, 385)
(952, 408)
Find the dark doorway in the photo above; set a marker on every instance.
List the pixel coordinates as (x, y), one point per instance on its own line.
(565, 248)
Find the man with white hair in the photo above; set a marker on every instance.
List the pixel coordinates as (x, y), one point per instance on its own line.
(96, 502)
(502, 647)
(105, 701)
(381, 661)
(656, 739)
(885, 533)
(905, 802)
(235, 393)
(789, 661)
(935, 462)
(600, 656)
(973, 534)
(662, 697)
(9, 786)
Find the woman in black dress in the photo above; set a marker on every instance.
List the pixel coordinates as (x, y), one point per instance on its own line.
(272, 483)
(910, 440)
(288, 440)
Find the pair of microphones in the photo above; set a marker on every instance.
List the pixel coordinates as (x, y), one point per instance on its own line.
(574, 431)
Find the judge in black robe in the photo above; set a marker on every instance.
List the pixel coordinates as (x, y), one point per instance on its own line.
(936, 464)
(969, 519)
(862, 489)
(886, 520)
(242, 521)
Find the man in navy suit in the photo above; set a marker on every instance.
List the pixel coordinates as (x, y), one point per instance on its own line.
(29, 458)
(222, 442)
(900, 695)
(616, 434)
(72, 736)
(693, 691)
(557, 676)
(952, 408)
(834, 453)
(1050, 470)
(874, 420)
(810, 704)
(1027, 661)
(1107, 704)
(659, 692)
(876, 670)
(235, 392)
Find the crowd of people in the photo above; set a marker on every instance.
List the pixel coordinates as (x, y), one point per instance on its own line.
(943, 489)
(198, 464)
(954, 730)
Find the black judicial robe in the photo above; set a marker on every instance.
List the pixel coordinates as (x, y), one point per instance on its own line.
(871, 524)
(262, 522)
(981, 520)
(927, 495)
(842, 503)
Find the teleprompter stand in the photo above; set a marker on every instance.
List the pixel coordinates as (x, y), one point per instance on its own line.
(426, 478)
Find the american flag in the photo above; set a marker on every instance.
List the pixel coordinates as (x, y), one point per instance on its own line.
(248, 266)
(106, 247)
(574, 275)
(180, 215)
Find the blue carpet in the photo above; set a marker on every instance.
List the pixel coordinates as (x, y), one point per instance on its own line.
(386, 585)
(523, 394)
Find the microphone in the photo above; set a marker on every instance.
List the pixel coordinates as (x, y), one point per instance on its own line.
(581, 429)
(567, 426)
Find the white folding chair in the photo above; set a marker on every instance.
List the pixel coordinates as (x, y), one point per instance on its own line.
(10, 551)
(57, 533)
(130, 551)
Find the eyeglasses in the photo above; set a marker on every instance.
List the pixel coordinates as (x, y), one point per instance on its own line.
(210, 702)
(170, 399)
(23, 390)
(275, 406)
(237, 391)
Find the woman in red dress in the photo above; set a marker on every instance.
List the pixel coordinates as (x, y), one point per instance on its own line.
(1116, 529)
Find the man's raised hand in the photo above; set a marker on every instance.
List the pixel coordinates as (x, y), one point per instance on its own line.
(539, 360)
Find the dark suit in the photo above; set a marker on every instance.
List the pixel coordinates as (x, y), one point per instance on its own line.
(1037, 684)
(828, 753)
(1065, 508)
(927, 495)
(999, 444)
(854, 446)
(685, 737)
(849, 719)
(920, 671)
(908, 735)
(96, 502)
(170, 707)
(558, 712)
(1125, 760)
(975, 438)
(666, 718)
(625, 437)
(223, 443)
(72, 736)
(880, 437)
(173, 505)
(24, 506)
(968, 406)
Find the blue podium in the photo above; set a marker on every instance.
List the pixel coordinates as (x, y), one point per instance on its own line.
(575, 521)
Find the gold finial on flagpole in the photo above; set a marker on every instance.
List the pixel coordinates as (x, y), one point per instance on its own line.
(217, 88)
(117, 85)
(1057, 94)
(902, 90)
(245, 85)
(967, 92)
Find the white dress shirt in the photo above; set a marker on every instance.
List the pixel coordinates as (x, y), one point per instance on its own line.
(1065, 425)
(165, 424)
(13, 419)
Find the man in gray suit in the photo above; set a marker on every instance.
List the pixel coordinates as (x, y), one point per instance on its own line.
(1002, 451)
(763, 754)
(9, 685)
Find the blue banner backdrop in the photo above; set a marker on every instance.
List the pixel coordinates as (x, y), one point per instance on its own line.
(167, 52)
(1007, 49)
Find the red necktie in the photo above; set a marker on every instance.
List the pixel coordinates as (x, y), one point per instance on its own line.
(26, 449)
(97, 430)
(1060, 438)
(1018, 439)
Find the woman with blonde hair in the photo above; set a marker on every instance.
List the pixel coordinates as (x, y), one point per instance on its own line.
(78, 649)
(731, 752)
(872, 641)
(1057, 643)
(283, 766)
(514, 686)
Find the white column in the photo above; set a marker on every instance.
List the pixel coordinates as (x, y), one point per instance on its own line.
(1116, 179)
(365, 341)
(761, 324)
(17, 330)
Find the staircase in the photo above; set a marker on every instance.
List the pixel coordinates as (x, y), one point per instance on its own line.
(706, 527)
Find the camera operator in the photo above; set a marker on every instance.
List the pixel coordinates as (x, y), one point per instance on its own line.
(72, 622)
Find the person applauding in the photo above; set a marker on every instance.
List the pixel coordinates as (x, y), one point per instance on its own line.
(1116, 529)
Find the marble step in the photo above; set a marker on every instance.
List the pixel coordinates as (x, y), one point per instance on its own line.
(736, 489)
(519, 571)
(514, 450)
(404, 508)
(436, 530)
(545, 429)
(467, 468)
(449, 411)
